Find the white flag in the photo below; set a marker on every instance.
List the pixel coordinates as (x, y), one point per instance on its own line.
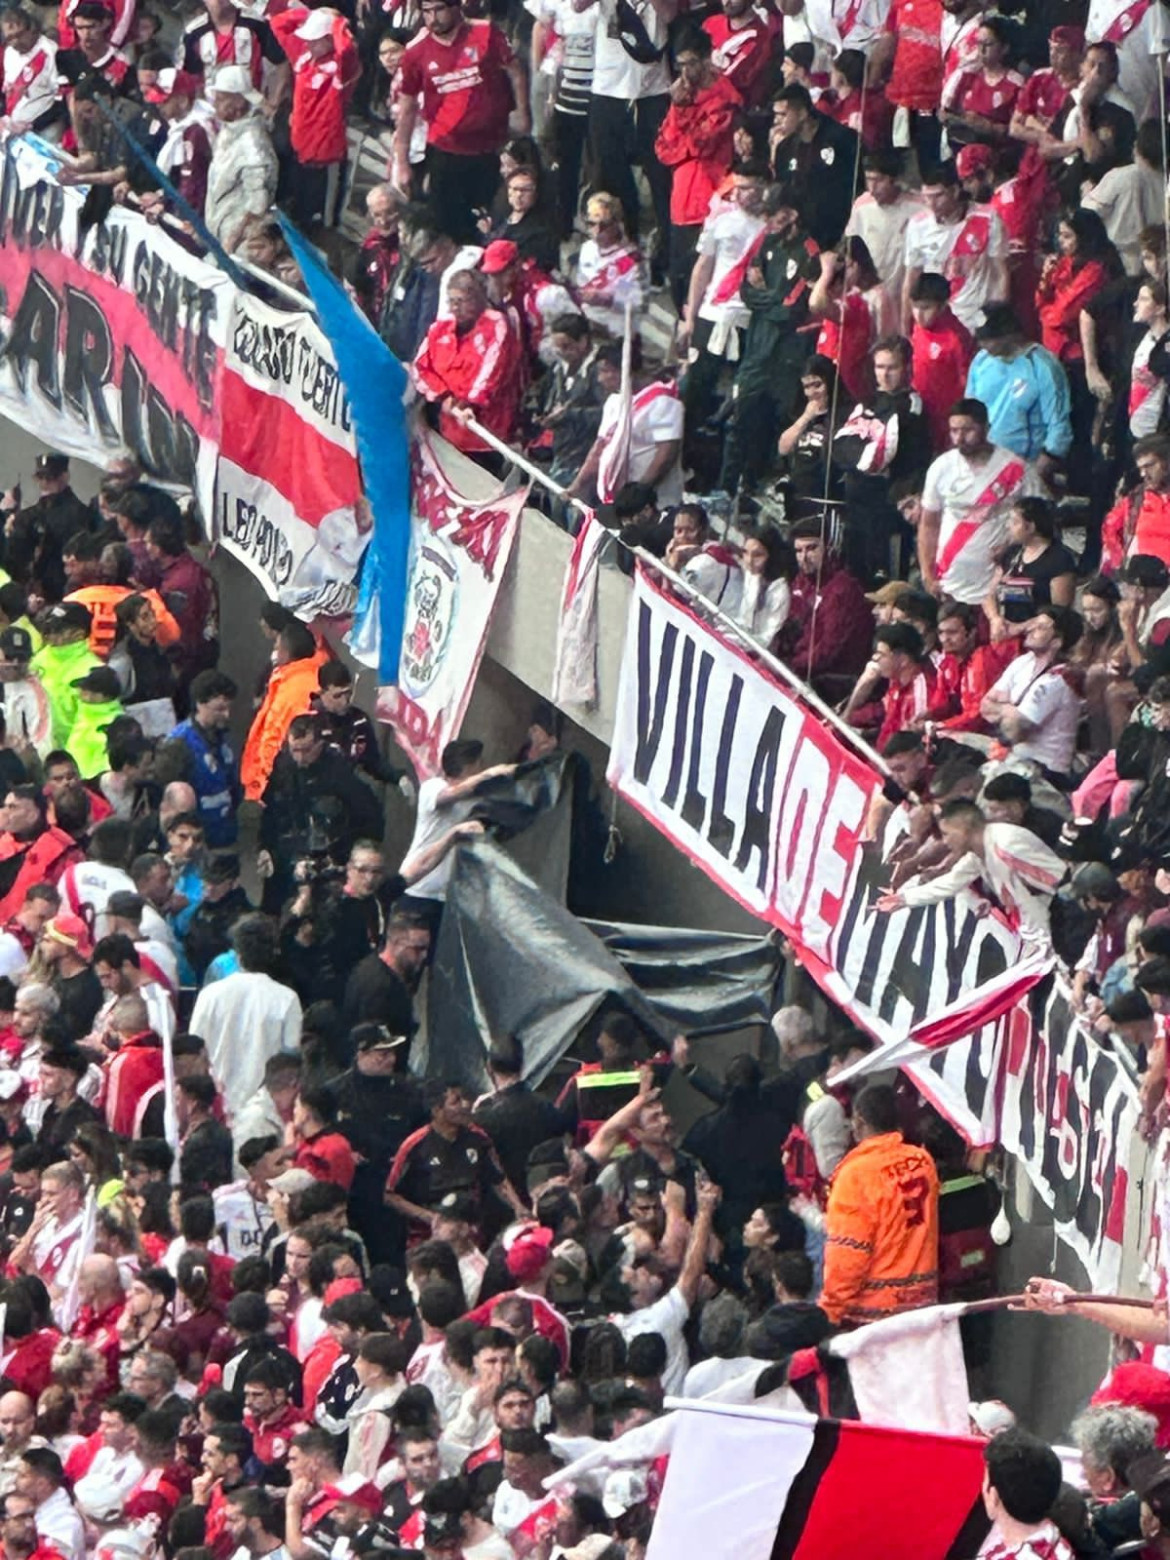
(575, 672)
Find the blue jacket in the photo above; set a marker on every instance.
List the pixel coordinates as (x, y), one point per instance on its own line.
(214, 771)
(1027, 400)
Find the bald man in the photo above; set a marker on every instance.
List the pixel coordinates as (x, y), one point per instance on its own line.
(99, 1287)
(18, 1418)
(134, 1074)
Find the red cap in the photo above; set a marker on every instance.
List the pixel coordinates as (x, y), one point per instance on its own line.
(170, 82)
(972, 160)
(1071, 37)
(530, 1252)
(498, 255)
(70, 930)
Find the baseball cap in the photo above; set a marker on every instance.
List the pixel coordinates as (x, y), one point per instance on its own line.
(888, 595)
(624, 1489)
(16, 644)
(51, 465)
(529, 1252)
(318, 24)
(102, 680)
(292, 1180)
(1146, 570)
(62, 615)
(70, 930)
(235, 78)
(972, 160)
(458, 1206)
(498, 255)
(377, 1037)
(171, 83)
(991, 1418)
(353, 1489)
(1095, 879)
(1072, 37)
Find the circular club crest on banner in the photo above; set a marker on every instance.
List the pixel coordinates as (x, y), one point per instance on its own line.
(430, 615)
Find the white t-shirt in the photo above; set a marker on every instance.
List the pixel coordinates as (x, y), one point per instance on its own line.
(883, 231)
(241, 1219)
(657, 419)
(965, 252)
(102, 1492)
(430, 824)
(13, 959)
(1044, 699)
(242, 1006)
(975, 502)
(668, 1317)
(615, 73)
(727, 236)
(708, 1375)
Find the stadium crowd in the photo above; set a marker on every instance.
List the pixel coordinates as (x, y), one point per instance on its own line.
(903, 423)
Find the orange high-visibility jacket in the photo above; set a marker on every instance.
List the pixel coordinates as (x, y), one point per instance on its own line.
(881, 1232)
(101, 601)
(290, 691)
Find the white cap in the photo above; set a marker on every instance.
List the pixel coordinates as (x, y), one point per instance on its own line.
(317, 24)
(291, 1181)
(237, 79)
(991, 1418)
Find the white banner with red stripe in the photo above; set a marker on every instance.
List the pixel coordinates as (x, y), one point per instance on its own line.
(464, 525)
(288, 495)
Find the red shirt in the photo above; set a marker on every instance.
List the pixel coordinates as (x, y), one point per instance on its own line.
(960, 686)
(465, 88)
(974, 94)
(846, 342)
(1061, 297)
(1151, 530)
(272, 1439)
(916, 77)
(696, 141)
(870, 115)
(744, 58)
(905, 702)
(100, 1331)
(1043, 96)
(321, 88)
(480, 367)
(157, 1494)
(28, 1368)
(327, 1157)
(942, 355)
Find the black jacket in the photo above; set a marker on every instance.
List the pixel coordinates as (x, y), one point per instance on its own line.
(322, 806)
(517, 1120)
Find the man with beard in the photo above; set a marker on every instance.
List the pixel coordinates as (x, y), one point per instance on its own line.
(381, 988)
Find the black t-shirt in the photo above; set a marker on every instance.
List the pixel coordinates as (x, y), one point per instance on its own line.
(81, 996)
(374, 994)
(428, 1166)
(1028, 586)
(58, 1126)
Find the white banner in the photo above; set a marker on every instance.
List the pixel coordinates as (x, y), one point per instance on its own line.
(288, 501)
(111, 338)
(756, 790)
(464, 527)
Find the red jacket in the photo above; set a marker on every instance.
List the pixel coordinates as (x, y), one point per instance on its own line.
(905, 702)
(696, 141)
(942, 355)
(322, 88)
(960, 686)
(480, 368)
(327, 1157)
(45, 860)
(137, 1067)
(1061, 296)
(100, 1331)
(28, 1368)
(1137, 524)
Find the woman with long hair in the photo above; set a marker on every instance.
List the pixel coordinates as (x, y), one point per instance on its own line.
(768, 564)
(1094, 656)
(95, 1153)
(1037, 570)
(805, 444)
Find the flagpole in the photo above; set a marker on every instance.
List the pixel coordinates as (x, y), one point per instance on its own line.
(705, 606)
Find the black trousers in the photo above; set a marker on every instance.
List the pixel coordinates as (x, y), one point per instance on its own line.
(569, 133)
(622, 134)
(683, 242)
(459, 186)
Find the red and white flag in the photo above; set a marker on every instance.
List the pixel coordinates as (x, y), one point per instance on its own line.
(962, 1018)
(575, 671)
(748, 1484)
(615, 456)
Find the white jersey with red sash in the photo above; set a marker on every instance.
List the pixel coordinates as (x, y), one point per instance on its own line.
(966, 252)
(655, 418)
(960, 45)
(974, 501)
(730, 239)
(30, 83)
(1136, 28)
(846, 24)
(1147, 392)
(56, 1252)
